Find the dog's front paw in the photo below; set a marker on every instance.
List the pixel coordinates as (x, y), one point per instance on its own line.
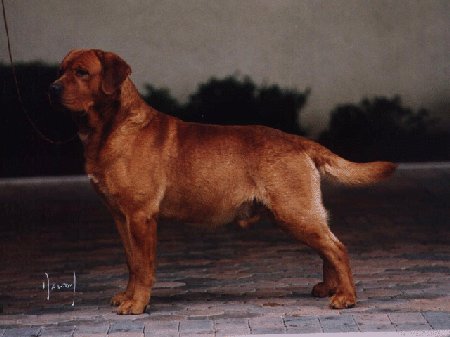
(131, 307)
(119, 298)
(342, 301)
(323, 289)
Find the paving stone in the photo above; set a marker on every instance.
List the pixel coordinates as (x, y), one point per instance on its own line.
(373, 322)
(161, 334)
(267, 325)
(23, 332)
(171, 326)
(126, 334)
(306, 324)
(377, 328)
(413, 327)
(126, 326)
(231, 326)
(200, 326)
(338, 323)
(438, 320)
(408, 317)
(57, 331)
(92, 328)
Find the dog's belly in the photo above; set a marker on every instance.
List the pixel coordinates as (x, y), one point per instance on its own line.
(210, 210)
(203, 212)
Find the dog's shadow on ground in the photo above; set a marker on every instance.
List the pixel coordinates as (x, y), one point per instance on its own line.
(224, 297)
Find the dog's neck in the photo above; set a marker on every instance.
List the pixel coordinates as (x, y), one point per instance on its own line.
(96, 124)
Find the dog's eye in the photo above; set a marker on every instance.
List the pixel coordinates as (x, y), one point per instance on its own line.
(81, 72)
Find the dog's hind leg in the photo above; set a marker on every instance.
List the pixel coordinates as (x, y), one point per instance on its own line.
(337, 277)
(329, 284)
(296, 204)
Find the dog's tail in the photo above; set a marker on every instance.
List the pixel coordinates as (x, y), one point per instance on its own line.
(345, 171)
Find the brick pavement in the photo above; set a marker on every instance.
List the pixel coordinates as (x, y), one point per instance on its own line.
(230, 281)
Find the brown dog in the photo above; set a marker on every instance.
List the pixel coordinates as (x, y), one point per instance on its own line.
(147, 165)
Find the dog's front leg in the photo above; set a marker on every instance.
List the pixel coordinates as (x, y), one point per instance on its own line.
(142, 231)
(125, 237)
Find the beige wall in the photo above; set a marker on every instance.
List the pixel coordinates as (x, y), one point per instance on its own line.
(343, 49)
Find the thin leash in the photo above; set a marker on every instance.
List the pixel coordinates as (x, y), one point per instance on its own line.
(19, 95)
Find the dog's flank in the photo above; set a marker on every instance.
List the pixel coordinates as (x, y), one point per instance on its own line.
(147, 165)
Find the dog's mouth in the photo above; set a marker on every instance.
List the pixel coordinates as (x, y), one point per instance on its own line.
(59, 104)
(54, 103)
(78, 118)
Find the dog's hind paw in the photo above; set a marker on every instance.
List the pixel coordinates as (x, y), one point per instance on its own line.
(342, 301)
(322, 289)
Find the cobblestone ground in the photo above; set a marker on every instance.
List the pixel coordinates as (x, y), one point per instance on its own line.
(230, 281)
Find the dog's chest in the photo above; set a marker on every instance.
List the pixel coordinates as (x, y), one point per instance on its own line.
(100, 185)
(93, 179)
(114, 187)
(101, 178)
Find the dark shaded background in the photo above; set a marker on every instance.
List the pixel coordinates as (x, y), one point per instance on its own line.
(376, 128)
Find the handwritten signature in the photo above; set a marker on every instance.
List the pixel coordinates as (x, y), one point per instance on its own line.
(60, 286)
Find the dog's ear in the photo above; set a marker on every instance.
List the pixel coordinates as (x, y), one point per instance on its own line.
(114, 71)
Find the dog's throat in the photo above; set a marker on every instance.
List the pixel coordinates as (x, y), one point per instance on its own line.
(81, 119)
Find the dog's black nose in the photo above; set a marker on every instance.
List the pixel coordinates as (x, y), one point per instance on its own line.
(55, 90)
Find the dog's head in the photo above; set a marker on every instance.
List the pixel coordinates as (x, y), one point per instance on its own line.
(88, 76)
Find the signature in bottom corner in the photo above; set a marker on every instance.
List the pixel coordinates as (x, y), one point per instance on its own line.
(47, 284)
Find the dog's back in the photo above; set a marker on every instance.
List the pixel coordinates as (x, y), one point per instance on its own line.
(214, 170)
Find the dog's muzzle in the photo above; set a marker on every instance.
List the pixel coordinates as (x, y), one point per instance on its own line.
(55, 91)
